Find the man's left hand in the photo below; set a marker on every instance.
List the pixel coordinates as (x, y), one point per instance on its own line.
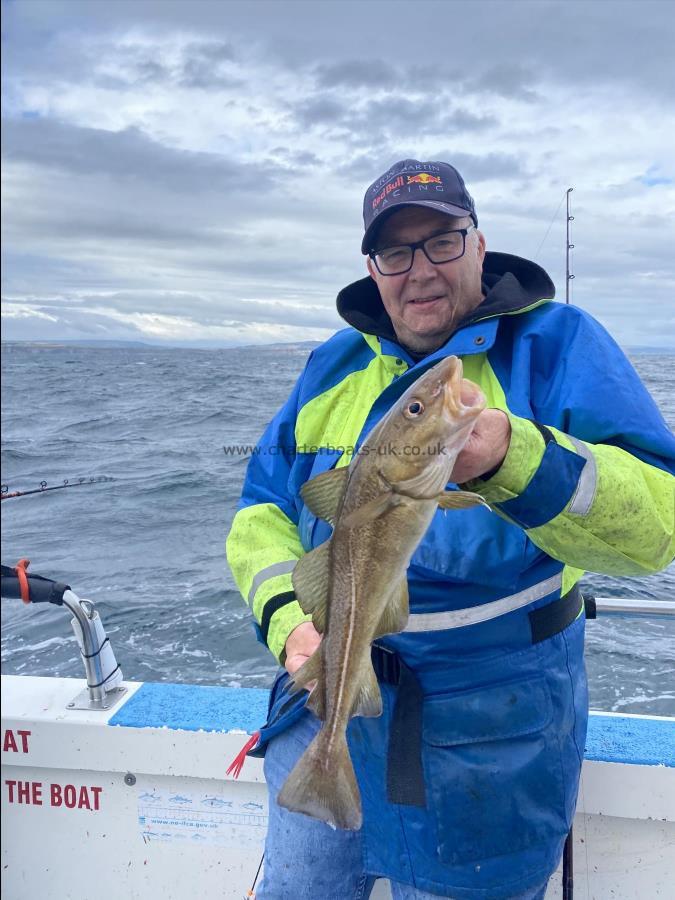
(486, 448)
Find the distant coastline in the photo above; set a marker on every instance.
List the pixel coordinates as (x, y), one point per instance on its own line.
(277, 345)
(144, 345)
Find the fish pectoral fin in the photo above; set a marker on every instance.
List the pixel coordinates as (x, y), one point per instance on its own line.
(461, 500)
(310, 581)
(395, 615)
(323, 494)
(371, 510)
(368, 701)
(316, 702)
(309, 677)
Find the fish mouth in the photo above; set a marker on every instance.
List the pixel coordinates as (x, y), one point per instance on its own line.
(462, 399)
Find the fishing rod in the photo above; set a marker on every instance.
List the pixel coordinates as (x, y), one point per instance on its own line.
(6, 495)
(569, 246)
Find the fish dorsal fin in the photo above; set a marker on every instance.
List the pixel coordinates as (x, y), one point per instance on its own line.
(424, 486)
(461, 500)
(323, 494)
(368, 701)
(395, 615)
(310, 582)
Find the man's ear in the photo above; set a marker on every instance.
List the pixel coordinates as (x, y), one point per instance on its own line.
(371, 268)
(481, 245)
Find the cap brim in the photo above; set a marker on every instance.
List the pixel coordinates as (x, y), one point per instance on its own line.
(448, 208)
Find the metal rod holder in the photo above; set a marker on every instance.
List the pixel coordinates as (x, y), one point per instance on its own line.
(91, 638)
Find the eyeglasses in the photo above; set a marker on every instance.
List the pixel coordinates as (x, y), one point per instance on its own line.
(440, 248)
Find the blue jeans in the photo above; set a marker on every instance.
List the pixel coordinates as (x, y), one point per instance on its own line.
(308, 860)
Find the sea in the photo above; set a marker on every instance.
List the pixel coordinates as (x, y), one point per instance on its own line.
(147, 546)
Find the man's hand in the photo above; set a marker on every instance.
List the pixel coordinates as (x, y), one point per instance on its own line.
(486, 447)
(300, 644)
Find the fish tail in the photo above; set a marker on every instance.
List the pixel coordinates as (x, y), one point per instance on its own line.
(323, 786)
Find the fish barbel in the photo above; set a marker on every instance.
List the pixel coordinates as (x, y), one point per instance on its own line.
(354, 585)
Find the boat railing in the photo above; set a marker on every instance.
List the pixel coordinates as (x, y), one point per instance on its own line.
(104, 676)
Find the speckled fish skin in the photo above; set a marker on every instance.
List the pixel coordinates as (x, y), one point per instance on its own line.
(355, 584)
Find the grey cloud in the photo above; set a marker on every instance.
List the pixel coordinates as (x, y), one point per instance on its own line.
(321, 110)
(506, 79)
(200, 66)
(569, 41)
(295, 157)
(476, 168)
(198, 74)
(149, 70)
(389, 116)
(374, 73)
(211, 51)
(428, 116)
(127, 154)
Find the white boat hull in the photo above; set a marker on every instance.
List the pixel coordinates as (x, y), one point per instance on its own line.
(102, 805)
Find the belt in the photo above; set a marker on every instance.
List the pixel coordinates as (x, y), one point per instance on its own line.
(405, 775)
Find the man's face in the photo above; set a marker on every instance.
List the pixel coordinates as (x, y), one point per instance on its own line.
(426, 304)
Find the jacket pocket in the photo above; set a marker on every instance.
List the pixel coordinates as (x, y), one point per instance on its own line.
(493, 770)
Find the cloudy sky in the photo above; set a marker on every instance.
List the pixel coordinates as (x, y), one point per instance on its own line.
(194, 171)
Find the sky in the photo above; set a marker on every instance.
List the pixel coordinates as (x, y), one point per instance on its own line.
(193, 172)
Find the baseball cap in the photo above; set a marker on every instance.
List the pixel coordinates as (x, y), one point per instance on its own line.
(436, 185)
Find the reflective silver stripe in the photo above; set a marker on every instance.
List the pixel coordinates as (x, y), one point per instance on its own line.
(588, 481)
(282, 568)
(458, 618)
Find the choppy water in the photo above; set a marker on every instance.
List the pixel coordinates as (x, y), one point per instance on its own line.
(148, 547)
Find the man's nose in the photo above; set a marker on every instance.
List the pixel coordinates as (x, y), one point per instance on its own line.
(422, 268)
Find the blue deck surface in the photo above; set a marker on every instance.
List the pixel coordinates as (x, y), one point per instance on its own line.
(186, 707)
(192, 707)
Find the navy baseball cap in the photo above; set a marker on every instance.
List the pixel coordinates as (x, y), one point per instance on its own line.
(436, 185)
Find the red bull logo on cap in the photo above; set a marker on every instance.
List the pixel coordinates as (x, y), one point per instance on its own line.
(424, 178)
(391, 187)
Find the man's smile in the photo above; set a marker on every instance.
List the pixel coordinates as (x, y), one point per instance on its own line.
(425, 301)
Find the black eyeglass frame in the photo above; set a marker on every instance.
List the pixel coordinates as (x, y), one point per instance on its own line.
(420, 245)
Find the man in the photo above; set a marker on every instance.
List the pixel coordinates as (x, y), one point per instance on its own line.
(469, 778)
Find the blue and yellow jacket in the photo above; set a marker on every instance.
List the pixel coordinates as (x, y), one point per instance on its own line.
(599, 498)
(587, 484)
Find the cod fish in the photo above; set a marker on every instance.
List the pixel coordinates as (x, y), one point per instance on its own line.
(354, 585)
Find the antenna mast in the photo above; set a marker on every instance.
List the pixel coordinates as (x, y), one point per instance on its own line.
(568, 247)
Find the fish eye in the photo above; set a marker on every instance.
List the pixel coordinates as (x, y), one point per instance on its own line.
(415, 408)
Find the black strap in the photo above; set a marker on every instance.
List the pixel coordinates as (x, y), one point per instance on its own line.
(590, 606)
(405, 776)
(386, 664)
(568, 868)
(555, 617)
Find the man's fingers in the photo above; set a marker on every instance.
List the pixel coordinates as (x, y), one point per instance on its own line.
(301, 643)
(293, 663)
